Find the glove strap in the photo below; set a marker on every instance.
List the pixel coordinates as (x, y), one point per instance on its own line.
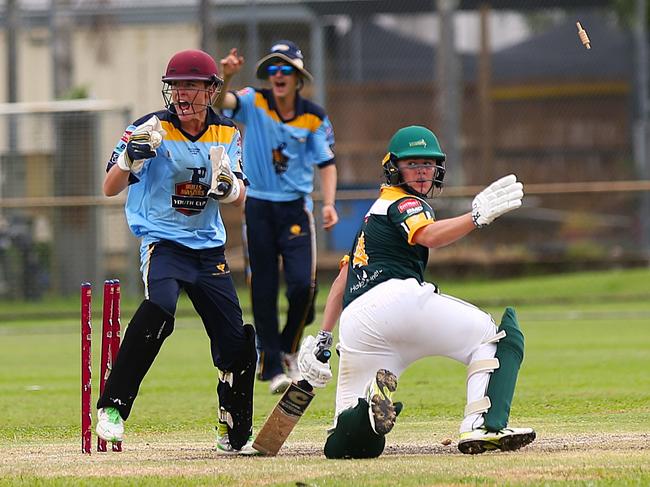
(123, 161)
(324, 339)
(234, 193)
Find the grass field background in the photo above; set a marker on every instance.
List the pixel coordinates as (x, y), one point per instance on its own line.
(584, 386)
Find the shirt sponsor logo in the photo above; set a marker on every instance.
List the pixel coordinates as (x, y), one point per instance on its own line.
(410, 206)
(365, 279)
(190, 197)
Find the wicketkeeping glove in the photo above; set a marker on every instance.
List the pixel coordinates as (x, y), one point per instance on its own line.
(142, 145)
(317, 373)
(500, 197)
(225, 187)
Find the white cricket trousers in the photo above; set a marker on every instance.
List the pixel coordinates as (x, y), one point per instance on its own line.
(400, 321)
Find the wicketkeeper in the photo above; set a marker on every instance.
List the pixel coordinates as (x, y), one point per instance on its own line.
(390, 317)
(180, 165)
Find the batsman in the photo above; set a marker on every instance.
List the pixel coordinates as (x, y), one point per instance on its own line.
(390, 317)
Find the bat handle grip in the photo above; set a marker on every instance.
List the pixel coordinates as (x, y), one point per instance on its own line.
(323, 356)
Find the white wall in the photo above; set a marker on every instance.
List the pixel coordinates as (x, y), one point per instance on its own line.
(123, 64)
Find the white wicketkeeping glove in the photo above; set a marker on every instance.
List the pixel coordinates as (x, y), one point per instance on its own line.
(142, 145)
(225, 186)
(317, 373)
(500, 197)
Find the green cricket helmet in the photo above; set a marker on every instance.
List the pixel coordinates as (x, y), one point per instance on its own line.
(413, 142)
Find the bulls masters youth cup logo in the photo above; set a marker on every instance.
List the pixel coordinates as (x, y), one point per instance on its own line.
(190, 197)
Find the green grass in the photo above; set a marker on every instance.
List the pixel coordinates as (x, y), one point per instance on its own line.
(601, 288)
(584, 386)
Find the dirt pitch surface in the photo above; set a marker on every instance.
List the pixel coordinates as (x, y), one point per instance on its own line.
(178, 459)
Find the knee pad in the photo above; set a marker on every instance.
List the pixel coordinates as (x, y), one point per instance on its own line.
(143, 338)
(235, 391)
(151, 322)
(501, 387)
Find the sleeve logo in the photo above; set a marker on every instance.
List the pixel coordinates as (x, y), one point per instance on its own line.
(409, 206)
(126, 136)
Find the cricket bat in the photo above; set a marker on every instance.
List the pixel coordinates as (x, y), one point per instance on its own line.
(290, 408)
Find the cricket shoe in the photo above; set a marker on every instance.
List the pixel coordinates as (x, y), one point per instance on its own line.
(508, 439)
(279, 383)
(110, 425)
(382, 412)
(290, 361)
(225, 448)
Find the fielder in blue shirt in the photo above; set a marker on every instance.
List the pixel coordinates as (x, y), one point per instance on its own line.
(286, 138)
(180, 165)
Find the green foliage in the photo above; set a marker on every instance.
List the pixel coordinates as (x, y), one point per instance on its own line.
(623, 10)
(78, 92)
(626, 12)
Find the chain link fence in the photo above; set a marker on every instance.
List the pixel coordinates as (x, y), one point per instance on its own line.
(55, 228)
(507, 86)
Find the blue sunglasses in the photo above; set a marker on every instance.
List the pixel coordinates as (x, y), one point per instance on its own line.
(285, 70)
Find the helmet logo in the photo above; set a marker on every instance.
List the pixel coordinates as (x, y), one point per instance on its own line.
(286, 48)
(418, 143)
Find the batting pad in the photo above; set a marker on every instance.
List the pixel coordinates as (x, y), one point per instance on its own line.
(353, 436)
(144, 336)
(501, 389)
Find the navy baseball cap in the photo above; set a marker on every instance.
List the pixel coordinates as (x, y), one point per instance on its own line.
(287, 52)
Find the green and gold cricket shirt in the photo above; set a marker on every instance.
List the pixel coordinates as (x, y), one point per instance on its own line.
(383, 248)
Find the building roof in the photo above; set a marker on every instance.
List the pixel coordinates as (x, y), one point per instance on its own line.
(386, 56)
(556, 53)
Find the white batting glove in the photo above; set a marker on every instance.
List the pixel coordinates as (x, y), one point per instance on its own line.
(225, 186)
(142, 145)
(500, 197)
(317, 373)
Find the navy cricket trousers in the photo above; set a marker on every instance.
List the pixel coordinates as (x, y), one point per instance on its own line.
(205, 277)
(280, 232)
